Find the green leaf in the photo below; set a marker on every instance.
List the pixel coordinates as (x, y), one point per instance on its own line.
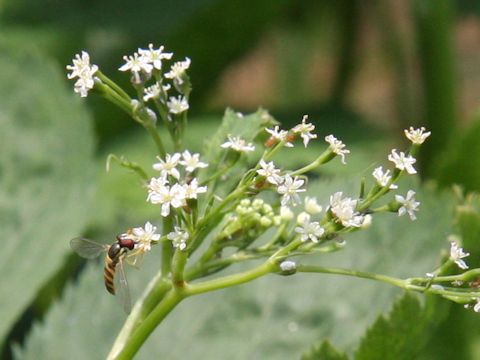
(248, 127)
(399, 336)
(45, 176)
(271, 318)
(457, 166)
(325, 351)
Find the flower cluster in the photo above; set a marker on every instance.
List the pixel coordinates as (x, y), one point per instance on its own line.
(169, 190)
(457, 254)
(344, 211)
(244, 215)
(143, 65)
(145, 60)
(84, 71)
(143, 239)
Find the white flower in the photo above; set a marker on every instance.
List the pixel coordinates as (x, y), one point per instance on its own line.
(238, 144)
(154, 57)
(286, 213)
(304, 129)
(179, 238)
(337, 147)
(289, 189)
(302, 217)
(155, 186)
(476, 307)
(383, 178)
(145, 236)
(192, 189)
(269, 171)
(177, 105)
(136, 64)
(168, 166)
(177, 70)
(366, 221)
(152, 92)
(311, 205)
(416, 136)
(280, 135)
(403, 162)
(80, 65)
(82, 69)
(344, 211)
(457, 254)
(409, 205)
(174, 197)
(309, 230)
(288, 265)
(191, 162)
(83, 85)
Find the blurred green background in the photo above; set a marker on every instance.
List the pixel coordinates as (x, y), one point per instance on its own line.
(362, 70)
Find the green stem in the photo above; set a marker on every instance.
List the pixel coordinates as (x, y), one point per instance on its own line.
(231, 280)
(152, 130)
(167, 249)
(113, 85)
(140, 335)
(325, 157)
(355, 273)
(178, 266)
(154, 293)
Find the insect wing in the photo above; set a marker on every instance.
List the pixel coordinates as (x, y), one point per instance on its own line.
(122, 290)
(87, 248)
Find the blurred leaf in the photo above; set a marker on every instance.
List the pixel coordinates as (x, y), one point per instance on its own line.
(467, 216)
(45, 176)
(399, 336)
(325, 351)
(459, 164)
(109, 29)
(272, 318)
(247, 127)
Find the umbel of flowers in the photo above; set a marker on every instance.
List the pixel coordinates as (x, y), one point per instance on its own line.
(260, 198)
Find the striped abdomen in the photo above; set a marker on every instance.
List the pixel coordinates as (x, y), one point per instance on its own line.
(109, 273)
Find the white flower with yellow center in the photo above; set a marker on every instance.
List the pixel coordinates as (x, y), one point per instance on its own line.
(177, 105)
(417, 136)
(169, 165)
(309, 230)
(289, 189)
(192, 189)
(337, 147)
(84, 71)
(280, 135)
(154, 56)
(403, 162)
(305, 129)
(191, 161)
(457, 254)
(269, 172)
(179, 238)
(238, 144)
(177, 70)
(145, 236)
(136, 64)
(409, 205)
(383, 178)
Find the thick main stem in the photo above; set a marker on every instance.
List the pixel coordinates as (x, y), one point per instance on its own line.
(140, 335)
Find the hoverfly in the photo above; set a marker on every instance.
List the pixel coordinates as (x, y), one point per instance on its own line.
(116, 253)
